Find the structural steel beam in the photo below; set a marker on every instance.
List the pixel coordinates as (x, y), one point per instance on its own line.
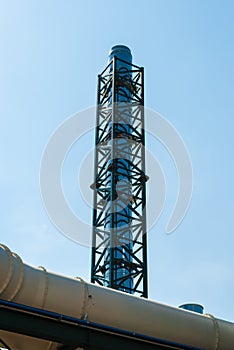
(72, 333)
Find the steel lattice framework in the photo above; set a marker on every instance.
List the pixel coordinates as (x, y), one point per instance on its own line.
(119, 252)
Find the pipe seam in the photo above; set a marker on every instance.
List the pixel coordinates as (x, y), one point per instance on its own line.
(84, 311)
(21, 277)
(217, 331)
(50, 346)
(10, 267)
(46, 283)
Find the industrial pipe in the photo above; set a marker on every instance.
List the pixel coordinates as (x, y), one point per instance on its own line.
(121, 59)
(38, 288)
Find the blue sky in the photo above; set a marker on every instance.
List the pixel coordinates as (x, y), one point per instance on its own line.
(51, 53)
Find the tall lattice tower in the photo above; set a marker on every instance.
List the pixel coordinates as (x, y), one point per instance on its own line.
(119, 252)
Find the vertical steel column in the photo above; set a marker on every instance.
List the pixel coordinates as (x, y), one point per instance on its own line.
(113, 175)
(93, 252)
(119, 252)
(144, 225)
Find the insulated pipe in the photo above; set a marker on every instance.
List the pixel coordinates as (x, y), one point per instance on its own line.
(38, 288)
(121, 155)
